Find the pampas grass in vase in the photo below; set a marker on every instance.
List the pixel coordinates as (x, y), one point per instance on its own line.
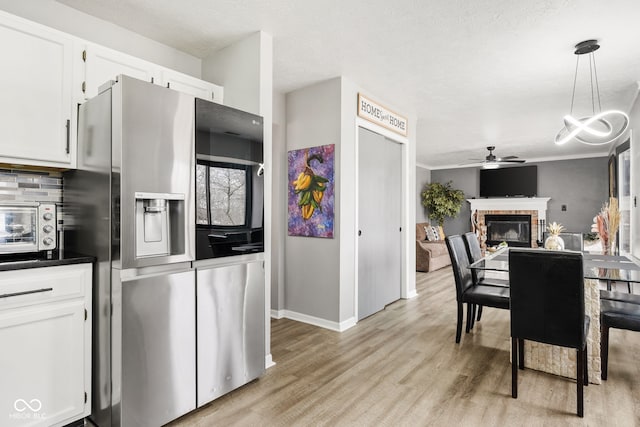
(613, 223)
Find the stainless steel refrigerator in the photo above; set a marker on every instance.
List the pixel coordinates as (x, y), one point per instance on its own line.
(130, 203)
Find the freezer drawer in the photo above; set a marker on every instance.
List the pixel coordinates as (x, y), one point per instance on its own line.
(230, 319)
(158, 348)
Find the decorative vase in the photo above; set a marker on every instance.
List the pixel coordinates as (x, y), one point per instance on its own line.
(610, 247)
(554, 242)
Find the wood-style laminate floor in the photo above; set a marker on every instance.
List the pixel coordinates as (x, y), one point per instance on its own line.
(402, 367)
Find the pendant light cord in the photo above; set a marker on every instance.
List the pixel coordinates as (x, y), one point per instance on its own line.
(593, 102)
(575, 77)
(595, 74)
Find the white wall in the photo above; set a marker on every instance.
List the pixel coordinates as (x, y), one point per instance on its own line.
(236, 68)
(79, 24)
(634, 117)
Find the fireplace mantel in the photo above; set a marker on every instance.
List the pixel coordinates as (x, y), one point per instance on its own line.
(511, 204)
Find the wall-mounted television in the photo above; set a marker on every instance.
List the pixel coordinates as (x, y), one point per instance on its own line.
(519, 181)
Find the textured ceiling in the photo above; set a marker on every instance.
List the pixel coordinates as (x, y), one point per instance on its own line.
(475, 73)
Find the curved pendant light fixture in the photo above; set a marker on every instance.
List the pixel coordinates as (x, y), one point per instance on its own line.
(602, 127)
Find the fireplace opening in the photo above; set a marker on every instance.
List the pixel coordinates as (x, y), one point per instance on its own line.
(513, 229)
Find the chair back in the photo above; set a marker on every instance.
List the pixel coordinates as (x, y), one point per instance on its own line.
(547, 296)
(460, 264)
(572, 241)
(475, 253)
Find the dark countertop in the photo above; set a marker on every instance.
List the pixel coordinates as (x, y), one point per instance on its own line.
(36, 260)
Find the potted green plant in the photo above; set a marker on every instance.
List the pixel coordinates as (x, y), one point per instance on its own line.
(442, 201)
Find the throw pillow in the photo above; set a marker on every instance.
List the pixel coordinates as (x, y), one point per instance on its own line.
(427, 230)
(432, 234)
(441, 232)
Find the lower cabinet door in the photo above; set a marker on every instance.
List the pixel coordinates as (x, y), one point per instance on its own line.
(231, 316)
(41, 360)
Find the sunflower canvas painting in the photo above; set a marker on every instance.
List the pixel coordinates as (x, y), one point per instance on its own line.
(311, 191)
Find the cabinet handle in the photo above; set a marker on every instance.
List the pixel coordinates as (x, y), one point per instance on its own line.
(35, 291)
(68, 134)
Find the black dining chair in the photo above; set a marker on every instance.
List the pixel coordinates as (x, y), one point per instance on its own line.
(547, 306)
(466, 291)
(475, 254)
(572, 241)
(618, 311)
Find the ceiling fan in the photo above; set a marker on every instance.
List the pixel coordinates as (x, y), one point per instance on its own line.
(491, 161)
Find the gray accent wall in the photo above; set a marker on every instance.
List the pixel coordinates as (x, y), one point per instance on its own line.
(312, 264)
(423, 177)
(467, 180)
(279, 205)
(580, 184)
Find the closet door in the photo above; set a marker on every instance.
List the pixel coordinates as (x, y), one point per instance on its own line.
(379, 220)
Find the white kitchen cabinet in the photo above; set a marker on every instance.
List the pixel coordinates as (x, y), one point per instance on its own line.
(103, 64)
(191, 85)
(46, 73)
(45, 331)
(36, 111)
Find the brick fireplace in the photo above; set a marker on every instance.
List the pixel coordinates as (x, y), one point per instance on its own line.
(535, 207)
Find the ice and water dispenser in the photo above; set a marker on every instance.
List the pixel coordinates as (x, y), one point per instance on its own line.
(160, 219)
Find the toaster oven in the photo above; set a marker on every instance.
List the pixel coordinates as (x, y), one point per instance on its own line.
(27, 227)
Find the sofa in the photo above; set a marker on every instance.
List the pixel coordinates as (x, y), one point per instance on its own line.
(430, 255)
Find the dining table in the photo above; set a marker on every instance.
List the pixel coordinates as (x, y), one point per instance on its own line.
(600, 272)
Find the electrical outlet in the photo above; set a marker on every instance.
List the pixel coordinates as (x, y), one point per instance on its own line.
(564, 208)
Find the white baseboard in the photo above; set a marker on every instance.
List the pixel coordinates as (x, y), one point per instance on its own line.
(277, 314)
(268, 361)
(317, 321)
(349, 323)
(412, 294)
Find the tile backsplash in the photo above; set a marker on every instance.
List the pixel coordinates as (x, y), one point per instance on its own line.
(30, 186)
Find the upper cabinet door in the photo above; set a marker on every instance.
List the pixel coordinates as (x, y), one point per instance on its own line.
(35, 94)
(191, 85)
(103, 64)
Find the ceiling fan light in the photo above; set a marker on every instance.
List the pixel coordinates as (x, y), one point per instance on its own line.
(491, 166)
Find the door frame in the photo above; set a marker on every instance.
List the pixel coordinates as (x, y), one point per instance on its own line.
(405, 293)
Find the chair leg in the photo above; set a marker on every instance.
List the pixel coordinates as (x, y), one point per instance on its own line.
(580, 378)
(521, 352)
(459, 324)
(604, 349)
(473, 315)
(514, 368)
(586, 366)
(480, 312)
(469, 314)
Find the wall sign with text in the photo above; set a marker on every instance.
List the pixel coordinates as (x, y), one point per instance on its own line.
(376, 113)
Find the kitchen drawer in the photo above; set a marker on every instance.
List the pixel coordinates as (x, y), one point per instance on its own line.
(43, 285)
